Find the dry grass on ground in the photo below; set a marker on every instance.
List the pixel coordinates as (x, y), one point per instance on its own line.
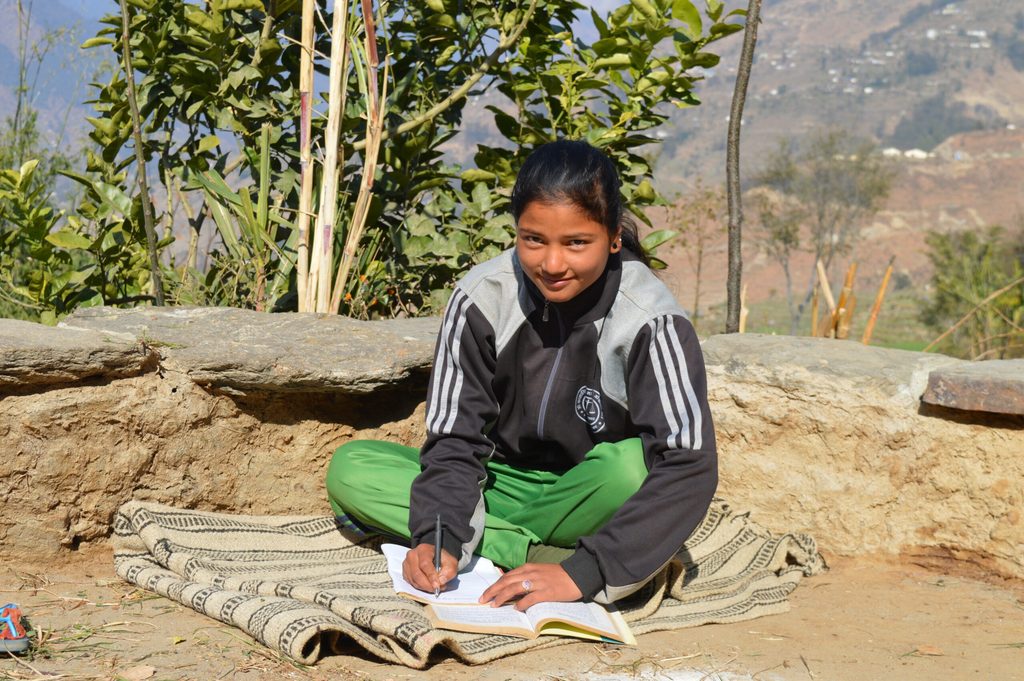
(864, 619)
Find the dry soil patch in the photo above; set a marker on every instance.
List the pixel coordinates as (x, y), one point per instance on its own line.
(864, 619)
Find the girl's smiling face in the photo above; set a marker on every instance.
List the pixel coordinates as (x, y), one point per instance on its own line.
(562, 249)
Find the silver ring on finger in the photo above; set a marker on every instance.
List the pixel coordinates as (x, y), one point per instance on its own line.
(527, 585)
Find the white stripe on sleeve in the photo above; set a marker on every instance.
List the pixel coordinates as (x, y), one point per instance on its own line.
(684, 374)
(453, 402)
(682, 437)
(661, 367)
(444, 366)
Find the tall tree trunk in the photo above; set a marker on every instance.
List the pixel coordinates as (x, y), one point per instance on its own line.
(148, 219)
(732, 166)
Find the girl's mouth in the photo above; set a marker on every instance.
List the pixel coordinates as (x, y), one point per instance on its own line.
(555, 284)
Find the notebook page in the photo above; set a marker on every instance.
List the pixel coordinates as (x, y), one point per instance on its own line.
(465, 589)
(484, 616)
(582, 614)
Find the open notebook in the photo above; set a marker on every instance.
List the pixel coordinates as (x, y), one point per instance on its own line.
(459, 607)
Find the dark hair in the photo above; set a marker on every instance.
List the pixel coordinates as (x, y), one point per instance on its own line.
(575, 171)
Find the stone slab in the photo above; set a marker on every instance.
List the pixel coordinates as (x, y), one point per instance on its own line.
(812, 365)
(37, 355)
(995, 386)
(254, 351)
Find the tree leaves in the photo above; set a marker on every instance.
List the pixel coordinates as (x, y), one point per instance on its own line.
(68, 239)
(217, 91)
(686, 12)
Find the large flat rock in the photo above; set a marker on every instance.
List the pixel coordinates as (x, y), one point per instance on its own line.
(995, 386)
(249, 351)
(817, 365)
(37, 355)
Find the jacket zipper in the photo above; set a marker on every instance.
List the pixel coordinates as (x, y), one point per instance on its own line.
(554, 371)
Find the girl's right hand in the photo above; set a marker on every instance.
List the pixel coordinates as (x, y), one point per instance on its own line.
(418, 568)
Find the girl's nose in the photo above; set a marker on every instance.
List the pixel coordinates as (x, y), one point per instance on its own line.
(553, 263)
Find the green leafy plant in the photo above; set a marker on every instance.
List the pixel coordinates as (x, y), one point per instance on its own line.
(57, 262)
(977, 295)
(236, 144)
(249, 233)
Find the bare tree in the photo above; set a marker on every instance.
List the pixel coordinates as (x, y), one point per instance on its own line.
(732, 165)
(832, 186)
(698, 217)
(780, 219)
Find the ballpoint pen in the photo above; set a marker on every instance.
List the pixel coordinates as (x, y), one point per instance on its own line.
(437, 552)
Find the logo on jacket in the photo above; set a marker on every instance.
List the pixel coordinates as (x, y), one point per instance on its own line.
(588, 408)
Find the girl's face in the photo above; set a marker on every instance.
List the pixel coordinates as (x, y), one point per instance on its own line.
(562, 250)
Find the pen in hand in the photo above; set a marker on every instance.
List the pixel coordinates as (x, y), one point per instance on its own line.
(437, 552)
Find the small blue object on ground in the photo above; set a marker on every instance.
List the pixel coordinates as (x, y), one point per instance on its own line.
(13, 638)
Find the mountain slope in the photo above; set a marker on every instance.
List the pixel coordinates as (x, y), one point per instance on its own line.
(863, 66)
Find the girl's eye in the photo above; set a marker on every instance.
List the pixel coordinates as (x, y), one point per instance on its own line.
(578, 242)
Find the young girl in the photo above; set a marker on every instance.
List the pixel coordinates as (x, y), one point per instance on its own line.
(568, 431)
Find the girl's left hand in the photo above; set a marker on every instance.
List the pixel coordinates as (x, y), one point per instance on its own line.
(535, 583)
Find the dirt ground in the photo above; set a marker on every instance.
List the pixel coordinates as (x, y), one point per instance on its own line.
(864, 619)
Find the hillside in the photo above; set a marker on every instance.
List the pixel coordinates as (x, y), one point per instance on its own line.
(971, 181)
(59, 73)
(945, 77)
(906, 77)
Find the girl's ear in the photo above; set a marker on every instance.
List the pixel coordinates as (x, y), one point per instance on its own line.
(616, 245)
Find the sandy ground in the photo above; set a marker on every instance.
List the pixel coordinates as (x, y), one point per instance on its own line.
(864, 619)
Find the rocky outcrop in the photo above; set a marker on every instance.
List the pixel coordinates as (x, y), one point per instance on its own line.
(37, 355)
(831, 437)
(250, 351)
(206, 408)
(996, 386)
(232, 410)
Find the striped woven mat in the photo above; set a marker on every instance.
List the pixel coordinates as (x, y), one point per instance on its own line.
(306, 586)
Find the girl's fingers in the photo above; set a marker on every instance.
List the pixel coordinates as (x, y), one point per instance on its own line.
(449, 567)
(414, 575)
(531, 598)
(533, 583)
(418, 568)
(509, 587)
(422, 573)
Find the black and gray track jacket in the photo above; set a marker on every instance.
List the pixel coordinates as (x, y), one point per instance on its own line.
(538, 385)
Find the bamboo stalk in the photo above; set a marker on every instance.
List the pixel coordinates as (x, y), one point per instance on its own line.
(843, 304)
(843, 329)
(814, 311)
(826, 325)
(847, 289)
(323, 242)
(374, 129)
(743, 309)
(140, 159)
(825, 288)
(305, 152)
(877, 306)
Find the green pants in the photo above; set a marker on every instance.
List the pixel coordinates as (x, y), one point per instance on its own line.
(370, 481)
